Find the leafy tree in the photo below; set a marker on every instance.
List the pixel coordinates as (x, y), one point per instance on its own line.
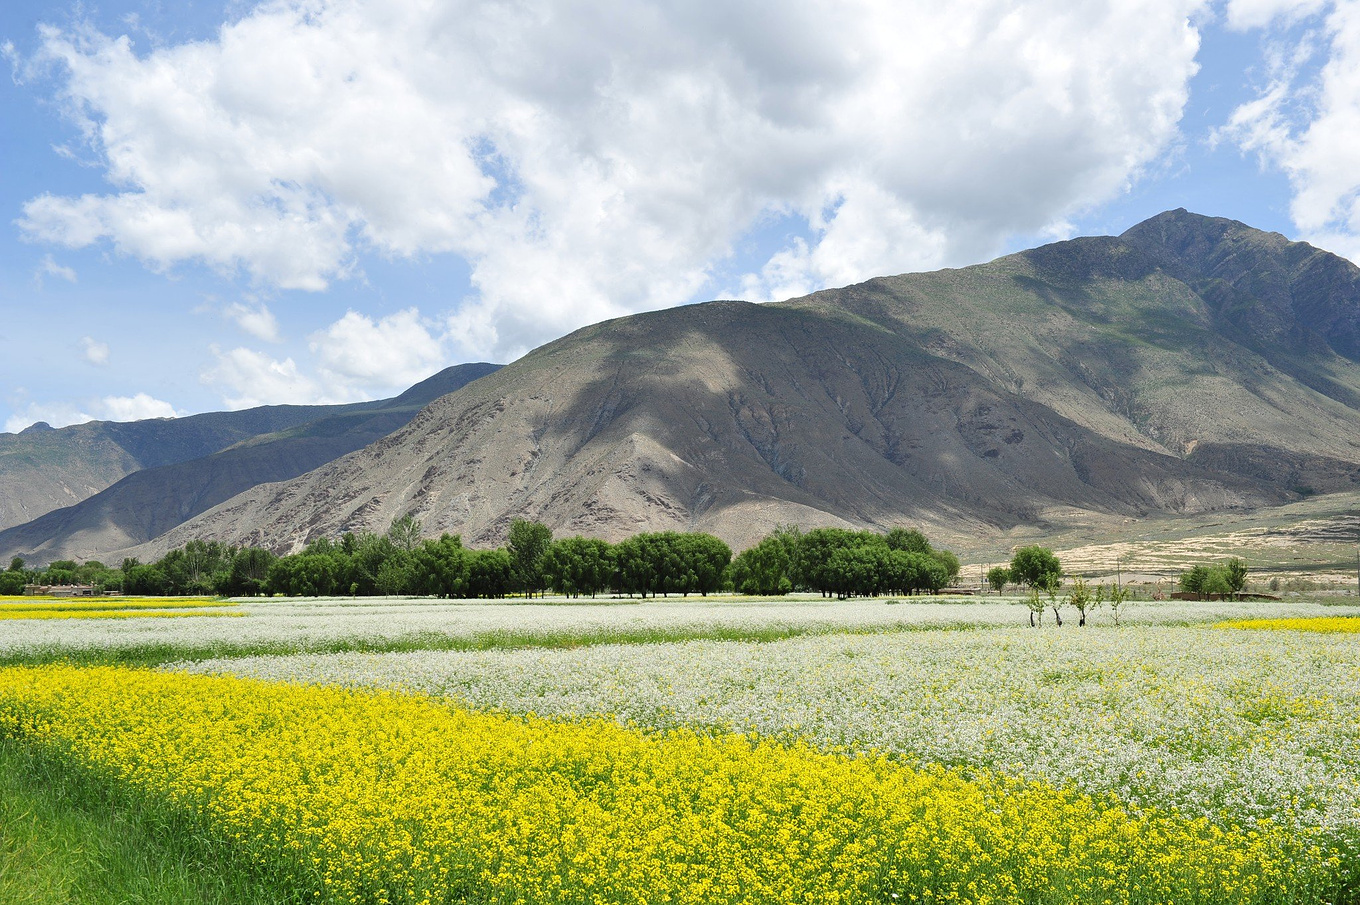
(307, 574)
(1236, 574)
(949, 562)
(1216, 583)
(1055, 603)
(910, 540)
(489, 573)
(12, 582)
(668, 562)
(148, 580)
(767, 568)
(1036, 604)
(396, 576)
(578, 565)
(529, 541)
(1119, 596)
(404, 533)
(815, 548)
(1036, 567)
(1082, 598)
(249, 569)
(998, 577)
(16, 564)
(440, 567)
(1192, 581)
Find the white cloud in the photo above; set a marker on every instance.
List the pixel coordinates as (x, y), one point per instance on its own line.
(1308, 126)
(359, 355)
(353, 359)
(1247, 14)
(56, 414)
(247, 378)
(257, 320)
(107, 408)
(96, 353)
(48, 267)
(593, 158)
(135, 408)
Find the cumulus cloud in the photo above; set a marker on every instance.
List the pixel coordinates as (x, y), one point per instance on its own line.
(57, 414)
(1307, 125)
(135, 408)
(355, 358)
(96, 353)
(107, 408)
(256, 319)
(589, 159)
(358, 355)
(248, 378)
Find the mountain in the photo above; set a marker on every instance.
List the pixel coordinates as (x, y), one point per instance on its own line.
(147, 503)
(1190, 365)
(42, 468)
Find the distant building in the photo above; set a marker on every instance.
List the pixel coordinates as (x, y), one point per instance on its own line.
(61, 590)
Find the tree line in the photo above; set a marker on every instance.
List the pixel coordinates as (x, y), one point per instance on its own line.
(833, 561)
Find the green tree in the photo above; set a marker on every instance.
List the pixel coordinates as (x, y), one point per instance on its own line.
(404, 533)
(1036, 604)
(1082, 598)
(529, 541)
(249, 569)
(767, 568)
(1236, 573)
(910, 540)
(998, 577)
(1036, 567)
(16, 564)
(489, 573)
(578, 565)
(440, 567)
(1119, 597)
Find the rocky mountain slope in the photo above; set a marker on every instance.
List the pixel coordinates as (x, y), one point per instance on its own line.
(151, 501)
(44, 468)
(1189, 365)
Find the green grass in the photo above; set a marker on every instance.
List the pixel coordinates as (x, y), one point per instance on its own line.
(151, 655)
(68, 839)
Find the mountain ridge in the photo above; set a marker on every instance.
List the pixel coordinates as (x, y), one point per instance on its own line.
(150, 501)
(1190, 365)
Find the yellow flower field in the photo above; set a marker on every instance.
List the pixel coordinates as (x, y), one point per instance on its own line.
(1341, 624)
(379, 797)
(112, 607)
(113, 613)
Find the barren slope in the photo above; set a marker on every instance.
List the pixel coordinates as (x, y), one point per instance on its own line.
(152, 501)
(1082, 383)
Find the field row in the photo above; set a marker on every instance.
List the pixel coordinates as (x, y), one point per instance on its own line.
(1257, 725)
(385, 798)
(379, 624)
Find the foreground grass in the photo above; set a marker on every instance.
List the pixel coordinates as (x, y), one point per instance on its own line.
(66, 840)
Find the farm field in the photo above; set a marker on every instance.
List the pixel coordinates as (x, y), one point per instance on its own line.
(714, 750)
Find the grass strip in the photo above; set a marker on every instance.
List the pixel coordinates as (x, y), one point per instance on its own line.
(393, 799)
(67, 838)
(161, 654)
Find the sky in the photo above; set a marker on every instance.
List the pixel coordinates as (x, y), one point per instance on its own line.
(216, 205)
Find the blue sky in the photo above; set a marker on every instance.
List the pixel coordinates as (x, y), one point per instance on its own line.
(213, 205)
